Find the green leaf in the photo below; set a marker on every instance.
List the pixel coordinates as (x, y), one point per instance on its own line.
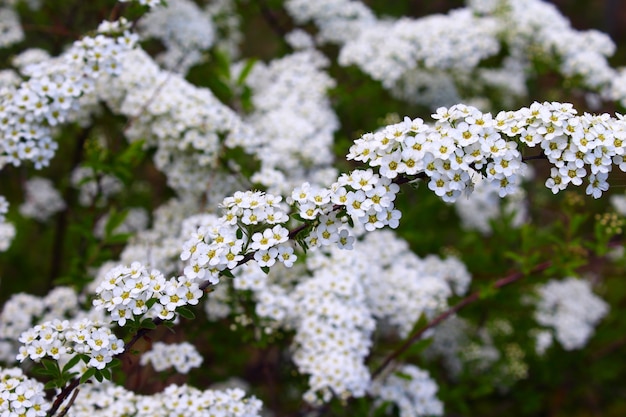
(186, 313)
(114, 363)
(88, 374)
(98, 375)
(44, 372)
(246, 71)
(114, 221)
(51, 384)
(403, 376)
(71, 363)
(106, 374)
(227, 273)
(49, 364)
(265, 269)
(148, 324)
(118, 238)
(133, 154)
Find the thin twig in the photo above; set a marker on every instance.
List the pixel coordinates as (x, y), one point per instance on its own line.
(272, 20)
(464, 302)
(65, 392)
(534, 157)
(69, 404)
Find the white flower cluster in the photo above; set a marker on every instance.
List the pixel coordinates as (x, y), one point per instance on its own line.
(184, 30)
(182, 356)
(59, 337)
(411, 389)
(135, 292)
(258, 216)
(400, 286)
(187, 125)
(334, 326)
(420, 60)
(293, 121)
(387, 50)
(337, 20)
(20, 395)
(29, 57)
(227, 21)
(466, 145)
(10, 27)
(535, 28)
(42, 200)
(108, 400)
(366, 197)
(431, 60)
(7, 230)
(23, 311)
(149, 3)
(51, 95)
(571, 309)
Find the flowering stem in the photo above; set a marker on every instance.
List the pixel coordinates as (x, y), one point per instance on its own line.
(69, 404)
(65, 392)
(475, 296)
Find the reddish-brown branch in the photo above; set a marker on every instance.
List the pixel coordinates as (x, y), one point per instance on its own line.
(475, 296)
(65, 392)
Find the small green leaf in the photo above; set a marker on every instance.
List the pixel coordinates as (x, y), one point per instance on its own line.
(265, 269)
(246, 71)
(114, 363)
(44, 372)
(186, 313)
(71, 363)
(227, 273)
(50, 385)
(106, 374)
(148, 324)
(114, 221)
(98, 375)
(88, 374)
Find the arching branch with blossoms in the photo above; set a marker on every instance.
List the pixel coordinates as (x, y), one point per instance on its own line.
(308, 208)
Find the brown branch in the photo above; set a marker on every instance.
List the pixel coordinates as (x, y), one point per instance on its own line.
(69, 404)
(541, 156)
(65, 392)
(272, 20)
(475, 296)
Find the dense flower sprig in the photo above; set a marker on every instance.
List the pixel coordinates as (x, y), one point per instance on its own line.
(135, 292)
(182, 356)
(184, 30)
(51, 95)
(570, 308)
(465, 145)
(42, 200)
(412, 390)
(20, 395)
(252, 225)
(58, 337)
(106, 399)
